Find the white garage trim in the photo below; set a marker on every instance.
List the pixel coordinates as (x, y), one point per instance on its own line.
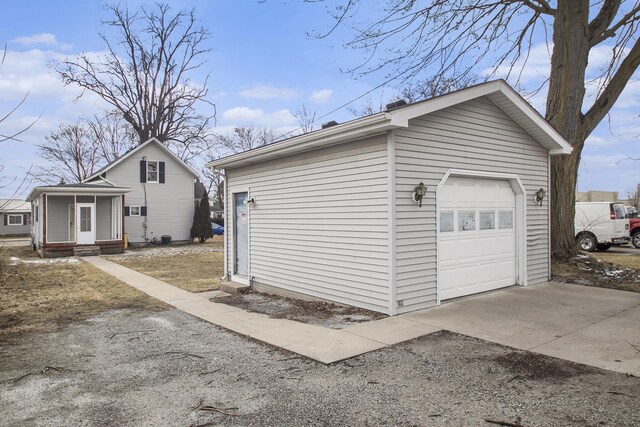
(520, 218)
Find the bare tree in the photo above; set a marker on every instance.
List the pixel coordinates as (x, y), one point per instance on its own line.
(13, 136)
(450, 39)
(146, 75)
(72, 153)
(213, 181)
(306, 119)
(246, 138)
(111, 133)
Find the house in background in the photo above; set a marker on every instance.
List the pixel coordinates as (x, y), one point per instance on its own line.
(70, 219)
(597, 196)
(161, 200)
(399, 210)
(15, 217)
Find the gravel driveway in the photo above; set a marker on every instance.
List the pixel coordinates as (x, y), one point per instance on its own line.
(130, 367)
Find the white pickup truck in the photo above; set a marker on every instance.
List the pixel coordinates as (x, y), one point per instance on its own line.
(598, 225)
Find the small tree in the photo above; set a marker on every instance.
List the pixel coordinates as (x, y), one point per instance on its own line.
(201, 227)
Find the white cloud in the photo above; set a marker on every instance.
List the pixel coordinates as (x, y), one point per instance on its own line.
(42, 39)
(321, 96)
(268, 92)
(245, 116)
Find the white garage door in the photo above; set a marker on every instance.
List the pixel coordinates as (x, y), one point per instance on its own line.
(477, 239)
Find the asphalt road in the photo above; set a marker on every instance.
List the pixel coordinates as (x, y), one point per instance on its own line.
(626, 249)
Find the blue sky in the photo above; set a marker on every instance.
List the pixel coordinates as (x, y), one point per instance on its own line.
(262, 68)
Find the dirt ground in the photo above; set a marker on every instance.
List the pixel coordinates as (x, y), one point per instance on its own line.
(142, 367)
(47, 294)
(325, 314)
(596, 270)
(194, 267)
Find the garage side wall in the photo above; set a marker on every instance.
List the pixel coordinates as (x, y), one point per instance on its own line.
(319, 224)
(475, 135)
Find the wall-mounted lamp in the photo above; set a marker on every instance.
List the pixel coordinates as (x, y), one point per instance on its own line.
(418, 193)
(540, 195)
(250, 202)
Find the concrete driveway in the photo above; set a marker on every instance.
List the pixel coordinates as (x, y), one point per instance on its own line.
(594, 326)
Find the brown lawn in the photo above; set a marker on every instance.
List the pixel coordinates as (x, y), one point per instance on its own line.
(44, 295)
(194, 268)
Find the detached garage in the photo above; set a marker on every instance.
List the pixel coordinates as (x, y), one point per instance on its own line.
(399, 210)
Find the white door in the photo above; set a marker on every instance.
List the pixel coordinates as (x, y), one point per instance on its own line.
(477, 238)
(241, 238)
(85, 224)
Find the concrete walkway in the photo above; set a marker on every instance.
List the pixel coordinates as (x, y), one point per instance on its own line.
(593, 326)
(322, 344)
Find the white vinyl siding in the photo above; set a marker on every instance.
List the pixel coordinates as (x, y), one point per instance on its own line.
(475, 135)
(320, 223)
(170, 205)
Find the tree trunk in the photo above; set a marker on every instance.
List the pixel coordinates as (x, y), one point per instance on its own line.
(564, 112)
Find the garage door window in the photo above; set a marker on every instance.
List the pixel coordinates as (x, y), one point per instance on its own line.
(446, 221)
(505, 219)
(466, 220)
(487, 220)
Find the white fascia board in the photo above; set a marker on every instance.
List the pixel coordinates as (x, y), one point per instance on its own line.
(135, 150)
(64, 191)
(562, 146)
(377, 123)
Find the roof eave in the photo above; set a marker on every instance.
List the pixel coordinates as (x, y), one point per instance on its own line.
(377, 123)
(37, 191)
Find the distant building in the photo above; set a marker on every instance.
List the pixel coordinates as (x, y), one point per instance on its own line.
(597, 196)
(15, 217)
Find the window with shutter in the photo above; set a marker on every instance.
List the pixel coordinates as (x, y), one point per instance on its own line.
(143, 171)
(161, 172)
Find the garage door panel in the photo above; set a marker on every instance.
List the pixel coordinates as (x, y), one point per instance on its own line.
(481, 258)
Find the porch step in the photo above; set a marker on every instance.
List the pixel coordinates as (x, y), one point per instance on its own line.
(86, 250)
(233, 287)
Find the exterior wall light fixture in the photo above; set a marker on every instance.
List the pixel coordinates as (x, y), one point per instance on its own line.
(418, 193)
(540, 195)
(250, 202)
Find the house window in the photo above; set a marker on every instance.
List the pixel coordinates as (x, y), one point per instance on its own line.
(505, 219)
(152, 172)
(14, 220)
(487, 220)
(134, 211)
(446, 221)
(466, 220)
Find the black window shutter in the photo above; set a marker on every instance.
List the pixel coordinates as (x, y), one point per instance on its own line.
(143, 210)
(25, 219)
(127, 211)
(143, 171)
(6, 219)
(161, 173)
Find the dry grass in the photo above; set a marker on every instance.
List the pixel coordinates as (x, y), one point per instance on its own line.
(46, 297)
(192, 270)
(623, 260)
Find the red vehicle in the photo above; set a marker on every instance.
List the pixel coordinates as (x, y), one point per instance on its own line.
(634, 231)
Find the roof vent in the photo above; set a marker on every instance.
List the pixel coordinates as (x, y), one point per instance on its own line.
(396, 104)
(329, 124)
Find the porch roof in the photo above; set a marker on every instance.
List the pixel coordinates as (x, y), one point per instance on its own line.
(73, 189)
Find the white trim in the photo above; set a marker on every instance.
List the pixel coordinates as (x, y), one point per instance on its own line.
(131, 210)
(498, 91)
(520, 219)
(79, 206)
(226, 234)
(157, 180)
(8, 215)
(135, 150)
(549, 215)
(391, 217)
(55, 190)
(234, 277)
